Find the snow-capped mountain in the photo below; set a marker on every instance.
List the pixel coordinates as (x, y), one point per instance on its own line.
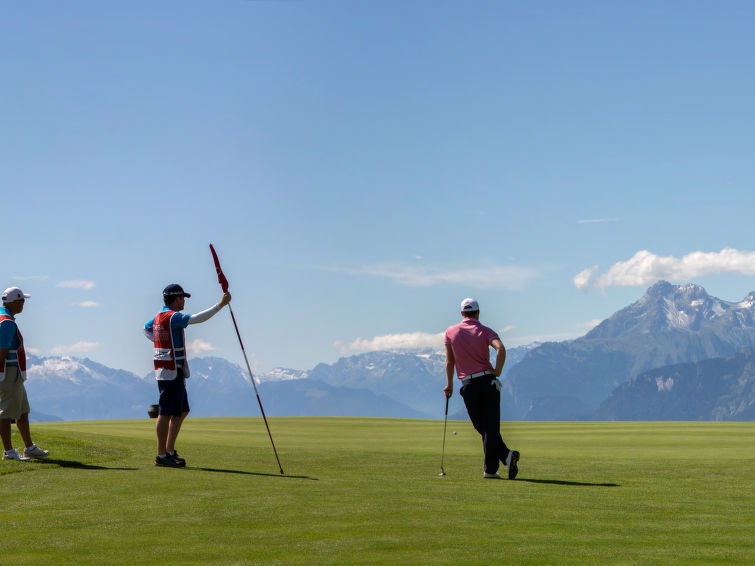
(76, 389)
(685, 308)
(670, 324)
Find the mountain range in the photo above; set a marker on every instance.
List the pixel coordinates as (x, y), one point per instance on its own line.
(677, 353)
(670, 324)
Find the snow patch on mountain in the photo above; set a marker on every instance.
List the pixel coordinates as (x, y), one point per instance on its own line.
(282, 374)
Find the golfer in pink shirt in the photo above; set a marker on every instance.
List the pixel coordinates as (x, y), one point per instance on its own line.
(468, 353)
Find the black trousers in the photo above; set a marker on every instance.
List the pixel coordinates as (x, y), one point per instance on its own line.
(483, 402)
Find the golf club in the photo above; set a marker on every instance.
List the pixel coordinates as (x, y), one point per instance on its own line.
(443, 450)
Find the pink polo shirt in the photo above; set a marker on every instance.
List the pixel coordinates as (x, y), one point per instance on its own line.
(470, 342)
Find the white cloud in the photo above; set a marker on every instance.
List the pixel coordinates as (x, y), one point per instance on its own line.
(507, 328)
(88, 304)
(77, 348)
(408, 341)
(199, 346)
(582, 279)
(507, 277)
(77, 284)
(645, 268)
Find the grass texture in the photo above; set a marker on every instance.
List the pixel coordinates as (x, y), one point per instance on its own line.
(368, 491)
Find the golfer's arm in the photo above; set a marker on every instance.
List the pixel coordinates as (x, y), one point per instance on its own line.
(450, 366)
(500, 357)
(3, 355)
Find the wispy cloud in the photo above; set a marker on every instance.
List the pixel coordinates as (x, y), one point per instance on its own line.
(596, 220)
(30, 277)
(77, 348)
(87, 304)
(405, 341)
(77, 284)
(645, 268)
(507, 277)
(199, 346)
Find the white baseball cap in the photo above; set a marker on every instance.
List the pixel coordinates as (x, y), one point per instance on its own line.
(14, 294)
(469, 305)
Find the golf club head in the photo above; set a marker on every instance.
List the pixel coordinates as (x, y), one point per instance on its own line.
(442, 473)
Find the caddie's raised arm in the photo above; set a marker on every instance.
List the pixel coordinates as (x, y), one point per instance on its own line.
(209, 313)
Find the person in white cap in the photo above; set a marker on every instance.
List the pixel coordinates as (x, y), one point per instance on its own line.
(14, 405)
(468, 352)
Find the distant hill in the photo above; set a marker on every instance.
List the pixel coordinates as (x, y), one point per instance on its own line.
(716, 389)
(670, 324)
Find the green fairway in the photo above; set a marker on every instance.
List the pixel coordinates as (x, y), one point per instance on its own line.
(368, 491)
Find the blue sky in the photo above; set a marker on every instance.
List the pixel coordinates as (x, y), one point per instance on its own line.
(363, 166)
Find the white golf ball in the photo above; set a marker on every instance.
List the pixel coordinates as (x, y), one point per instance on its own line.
(454, 432)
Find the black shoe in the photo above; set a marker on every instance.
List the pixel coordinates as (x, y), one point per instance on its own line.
(168, 461)
(511, 461)
(177, 458)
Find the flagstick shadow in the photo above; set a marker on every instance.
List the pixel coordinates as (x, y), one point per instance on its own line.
(564, 482)
(242, 472)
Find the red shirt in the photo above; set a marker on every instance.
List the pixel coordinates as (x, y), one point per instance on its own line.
(470, 342)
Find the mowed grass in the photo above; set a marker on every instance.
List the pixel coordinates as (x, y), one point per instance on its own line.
(368, 491)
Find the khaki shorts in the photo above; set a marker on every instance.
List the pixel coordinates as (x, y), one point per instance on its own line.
(13, 400)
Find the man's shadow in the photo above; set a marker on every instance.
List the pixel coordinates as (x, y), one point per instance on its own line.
(77, 465)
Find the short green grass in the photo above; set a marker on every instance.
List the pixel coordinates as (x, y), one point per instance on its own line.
(368, 491)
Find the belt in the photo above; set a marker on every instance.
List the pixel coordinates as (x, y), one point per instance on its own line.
(468, 378)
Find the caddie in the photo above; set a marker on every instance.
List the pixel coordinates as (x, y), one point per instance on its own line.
(14, 404)
(166, 331)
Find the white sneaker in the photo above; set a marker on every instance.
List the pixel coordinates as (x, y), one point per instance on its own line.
(492, 476)
(13, 454)
(35, 451)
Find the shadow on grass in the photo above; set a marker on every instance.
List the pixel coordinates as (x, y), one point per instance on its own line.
(77, 465)
(564, 482)
(221, 471)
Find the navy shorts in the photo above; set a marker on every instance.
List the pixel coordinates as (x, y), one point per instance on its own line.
(174, 400)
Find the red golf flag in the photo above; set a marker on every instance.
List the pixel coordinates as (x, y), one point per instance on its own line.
(221, 278)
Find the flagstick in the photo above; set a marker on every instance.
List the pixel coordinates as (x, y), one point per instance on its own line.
(259, 401)
(224, 285)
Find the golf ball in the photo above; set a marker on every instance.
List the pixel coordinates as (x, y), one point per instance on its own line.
(454, 432)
